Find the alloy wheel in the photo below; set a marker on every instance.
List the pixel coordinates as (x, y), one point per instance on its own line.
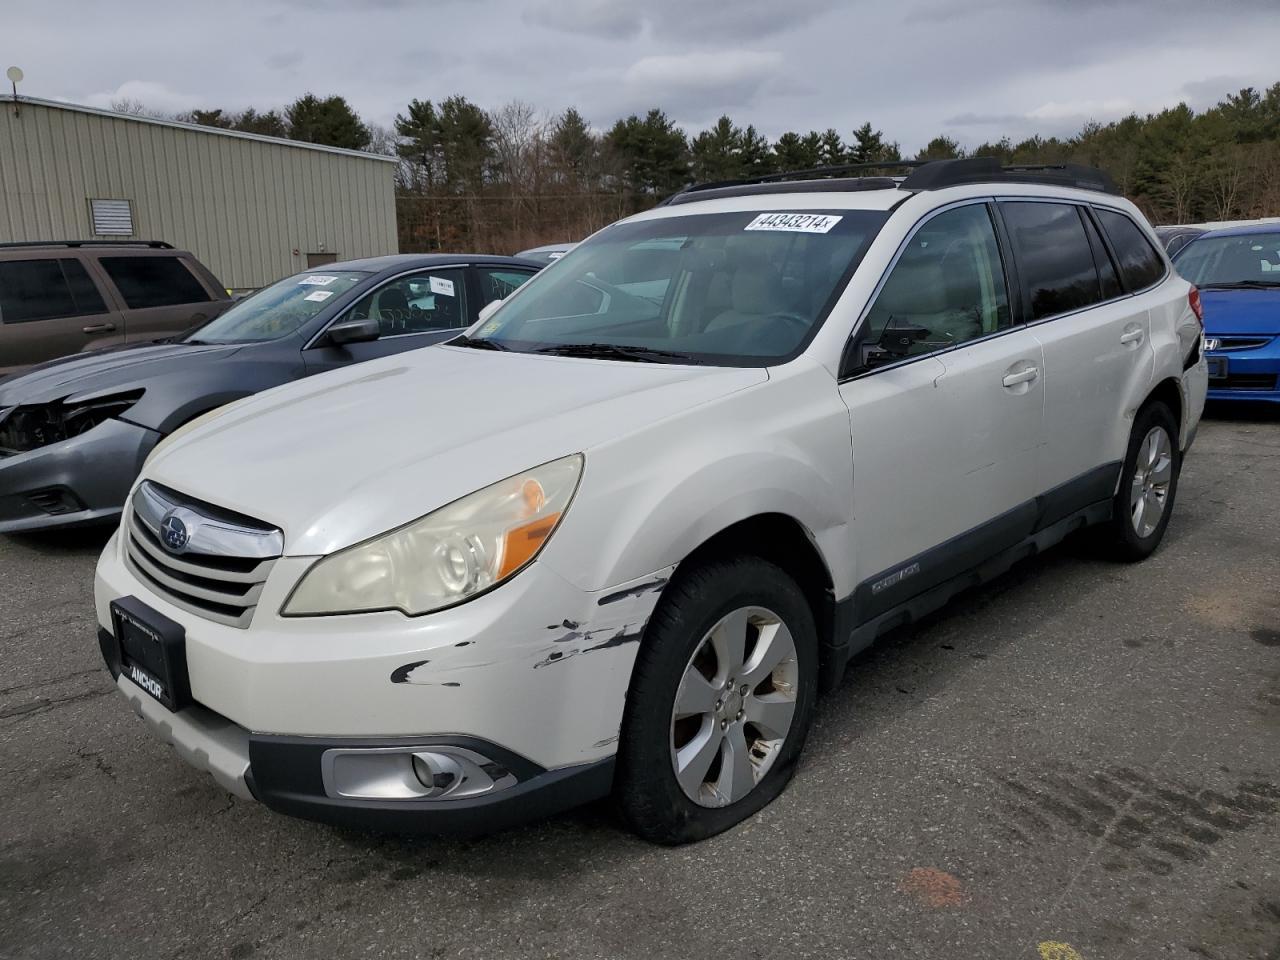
(1152, 476)
(734, 707)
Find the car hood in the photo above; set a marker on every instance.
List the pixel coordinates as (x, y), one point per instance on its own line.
(1241, 311)
(340, 457)
(99, 372)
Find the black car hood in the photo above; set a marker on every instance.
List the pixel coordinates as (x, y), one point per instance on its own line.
(100, 372)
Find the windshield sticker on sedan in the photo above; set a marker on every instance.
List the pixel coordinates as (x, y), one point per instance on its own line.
(442, 287)
(320, 296)
(794, 222)
(316, 280)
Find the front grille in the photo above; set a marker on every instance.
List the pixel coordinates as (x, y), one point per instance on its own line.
(219, 570)
(1245, 381)
(1239, 343)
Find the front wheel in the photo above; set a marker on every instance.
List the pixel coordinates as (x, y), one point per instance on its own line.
(720, 701)
(1148, 485)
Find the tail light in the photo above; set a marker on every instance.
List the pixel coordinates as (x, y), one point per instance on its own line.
(1193, 298)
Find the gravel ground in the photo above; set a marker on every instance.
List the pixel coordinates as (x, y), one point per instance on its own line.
(1081, 760)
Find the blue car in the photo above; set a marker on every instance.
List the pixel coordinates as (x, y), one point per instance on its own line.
(1238, 272)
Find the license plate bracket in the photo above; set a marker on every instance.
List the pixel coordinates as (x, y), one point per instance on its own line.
(1217, 368)
(152, 651)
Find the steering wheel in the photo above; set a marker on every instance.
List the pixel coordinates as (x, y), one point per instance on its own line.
(802, 324)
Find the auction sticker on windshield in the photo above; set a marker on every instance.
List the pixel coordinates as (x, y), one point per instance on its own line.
(441, 286)
(319, 295)
(794, 222)
(314, 280)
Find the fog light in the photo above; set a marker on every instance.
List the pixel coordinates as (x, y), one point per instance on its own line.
(411, 773)
(436, 771)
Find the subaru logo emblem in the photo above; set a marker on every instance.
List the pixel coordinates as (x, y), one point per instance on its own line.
(173, 533)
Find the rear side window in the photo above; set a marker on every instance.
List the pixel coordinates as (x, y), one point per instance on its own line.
(1102, 260)
(1054, 257)
(498, 284)
(45, 289)
(1140, 265)
(153, 281)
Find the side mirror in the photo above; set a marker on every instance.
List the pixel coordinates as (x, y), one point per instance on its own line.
(897, 340)
(488, 310)
(895, 343)
(360, 330)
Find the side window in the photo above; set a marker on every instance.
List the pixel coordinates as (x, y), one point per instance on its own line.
(45, 289)
(498, 283)
(946, 288)
(1140, 265)
(153, 281)
(1102, 260)
(1054, 257)
(418, 303)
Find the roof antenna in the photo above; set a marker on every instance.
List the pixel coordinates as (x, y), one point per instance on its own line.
(15, 77)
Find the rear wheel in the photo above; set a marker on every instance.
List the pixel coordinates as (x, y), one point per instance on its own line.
(1148, 485)
(720, 701)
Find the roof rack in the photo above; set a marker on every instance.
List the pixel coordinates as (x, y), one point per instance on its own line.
(952, 173)
(920, 175)
(154, 244)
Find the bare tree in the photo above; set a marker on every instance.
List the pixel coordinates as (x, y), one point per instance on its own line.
(136, 108)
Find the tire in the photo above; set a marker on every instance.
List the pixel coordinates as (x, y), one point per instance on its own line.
(692, 630)
(1131, 536)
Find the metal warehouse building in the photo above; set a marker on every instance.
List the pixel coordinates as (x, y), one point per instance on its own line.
(252, 208)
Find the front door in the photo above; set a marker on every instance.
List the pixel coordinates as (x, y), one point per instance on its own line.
(414, 310)
(161, 294)
(946, 424)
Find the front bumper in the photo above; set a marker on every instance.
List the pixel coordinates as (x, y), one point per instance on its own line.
(81, 480)
(284, 773)
(537, 669)
(1252, 375)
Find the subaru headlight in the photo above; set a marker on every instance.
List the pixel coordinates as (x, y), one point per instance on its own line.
(448, 556)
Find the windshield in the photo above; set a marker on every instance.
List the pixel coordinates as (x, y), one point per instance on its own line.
(1248, 259)
(278, 310)
(740, 289)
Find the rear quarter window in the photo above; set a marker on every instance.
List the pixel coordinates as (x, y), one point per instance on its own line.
(1140, 264)
(153, 281)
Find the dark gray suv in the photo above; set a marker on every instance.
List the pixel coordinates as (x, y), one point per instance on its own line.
(74, 432)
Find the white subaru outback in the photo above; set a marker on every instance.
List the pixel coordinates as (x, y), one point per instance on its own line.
(617, 537)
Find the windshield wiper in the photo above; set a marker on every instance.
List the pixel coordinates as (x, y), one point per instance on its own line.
(1240, 285)
(614, 351)
(476, 343)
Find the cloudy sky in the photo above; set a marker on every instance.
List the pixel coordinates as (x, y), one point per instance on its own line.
(972, 69)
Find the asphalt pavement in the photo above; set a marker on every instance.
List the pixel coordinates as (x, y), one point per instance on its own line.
(1080, 761)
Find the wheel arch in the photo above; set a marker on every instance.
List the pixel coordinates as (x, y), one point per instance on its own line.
(784, 541)
(1169, 392)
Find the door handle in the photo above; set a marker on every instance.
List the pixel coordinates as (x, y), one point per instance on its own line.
(99, 328)
(1132, 336)
(1022, 376)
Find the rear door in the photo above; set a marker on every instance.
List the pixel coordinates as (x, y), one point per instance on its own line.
(497, 282)
(50, 306)
(161, 295)
(1097, 352)
(413, 310)
(945, 434)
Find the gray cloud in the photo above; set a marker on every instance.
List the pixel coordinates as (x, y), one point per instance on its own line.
(734, 20)
(973, 69)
